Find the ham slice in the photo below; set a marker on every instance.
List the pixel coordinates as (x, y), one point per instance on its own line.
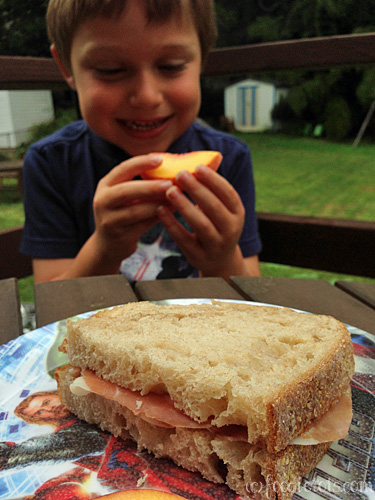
(159, 410)
(332, 426)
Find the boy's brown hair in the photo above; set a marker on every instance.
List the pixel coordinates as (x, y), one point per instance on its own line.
(65, 16)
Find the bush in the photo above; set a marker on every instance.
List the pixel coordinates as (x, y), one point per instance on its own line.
(283, 112)
(338, 119)
(37, 132)
(297, 100)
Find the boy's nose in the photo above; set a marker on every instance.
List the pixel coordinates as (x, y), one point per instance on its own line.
(145, 91)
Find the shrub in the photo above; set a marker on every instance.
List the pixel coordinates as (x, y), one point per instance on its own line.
(37, 132)
(338, 119)
(282, 111)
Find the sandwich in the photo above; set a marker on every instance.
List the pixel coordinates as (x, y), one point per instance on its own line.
(251, 396)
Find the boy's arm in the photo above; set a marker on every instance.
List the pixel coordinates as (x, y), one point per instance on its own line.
(124, 210)
(50, 269)
(88, 262)
(252, 266)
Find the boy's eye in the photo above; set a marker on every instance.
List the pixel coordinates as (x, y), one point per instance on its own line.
(108, 71)
(173, 68)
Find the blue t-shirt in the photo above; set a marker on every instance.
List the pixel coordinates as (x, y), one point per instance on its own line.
(61, 173)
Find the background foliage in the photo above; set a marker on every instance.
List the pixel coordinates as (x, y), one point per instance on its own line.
(22, 28)
(338, 99)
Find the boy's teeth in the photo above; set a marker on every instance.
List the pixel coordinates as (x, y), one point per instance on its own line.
(144, 126)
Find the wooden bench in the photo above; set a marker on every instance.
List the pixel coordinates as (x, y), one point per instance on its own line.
(336, 245)
(13, 264)
(11, 170)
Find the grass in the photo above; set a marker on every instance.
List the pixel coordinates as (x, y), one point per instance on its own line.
(294, 176)
(312, 177)
(11, 206)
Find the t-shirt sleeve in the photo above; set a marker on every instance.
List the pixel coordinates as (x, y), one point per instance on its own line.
(50, 229)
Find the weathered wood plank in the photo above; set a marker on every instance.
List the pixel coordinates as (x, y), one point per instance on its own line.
(204, 288)
(12, 262)
(30, 73)
(308, 53)
(364, 292)
(336, 245)
(57, 300)
(319, 297)
(10, 313)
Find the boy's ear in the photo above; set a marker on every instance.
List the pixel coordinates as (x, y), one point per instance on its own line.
(67, 74)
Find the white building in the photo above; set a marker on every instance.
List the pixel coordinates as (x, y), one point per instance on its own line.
(20, 110)
(248, 104)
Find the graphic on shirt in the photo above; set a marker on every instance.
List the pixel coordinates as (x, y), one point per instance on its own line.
(157, 257)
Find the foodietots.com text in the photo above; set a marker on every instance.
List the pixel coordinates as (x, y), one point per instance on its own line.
(322, 486)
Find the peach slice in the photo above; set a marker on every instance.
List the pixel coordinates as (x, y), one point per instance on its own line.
(141, 494)
(173, 163)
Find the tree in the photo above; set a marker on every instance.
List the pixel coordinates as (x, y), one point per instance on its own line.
(22, 28)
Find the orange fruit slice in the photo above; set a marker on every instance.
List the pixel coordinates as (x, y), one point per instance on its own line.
(173, 163)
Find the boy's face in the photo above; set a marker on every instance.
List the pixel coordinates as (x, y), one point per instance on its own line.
(137, 83)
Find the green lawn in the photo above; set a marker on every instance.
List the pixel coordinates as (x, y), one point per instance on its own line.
(293, 176)
(314, 178)
(11, 207)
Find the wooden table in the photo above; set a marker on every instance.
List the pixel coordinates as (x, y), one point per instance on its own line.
(61, 299)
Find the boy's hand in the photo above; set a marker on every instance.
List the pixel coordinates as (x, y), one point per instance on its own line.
(217, 220)
(125, 210)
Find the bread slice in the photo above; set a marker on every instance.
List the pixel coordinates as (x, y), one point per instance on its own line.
(250, 471)
(270, 369)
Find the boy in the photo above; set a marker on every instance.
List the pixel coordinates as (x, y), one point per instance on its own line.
(136, 65)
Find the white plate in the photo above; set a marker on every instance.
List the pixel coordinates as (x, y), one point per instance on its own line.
(26, 366)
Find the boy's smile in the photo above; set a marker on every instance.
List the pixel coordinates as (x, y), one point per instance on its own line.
(137, 82)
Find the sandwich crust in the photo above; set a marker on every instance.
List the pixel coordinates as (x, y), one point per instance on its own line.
(250, 471)
(296, 408)
(272, 370)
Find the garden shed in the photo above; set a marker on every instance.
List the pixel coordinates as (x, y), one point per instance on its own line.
(20, 110)
(248, 104)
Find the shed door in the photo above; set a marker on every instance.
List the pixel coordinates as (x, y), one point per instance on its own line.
(246, 106)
